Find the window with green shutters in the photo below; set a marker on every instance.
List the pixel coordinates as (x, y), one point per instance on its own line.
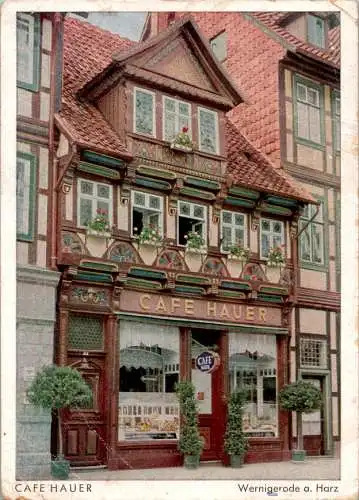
(233, 229)
(311, 240)
(25, 195)
(93, 196)
(144, 112)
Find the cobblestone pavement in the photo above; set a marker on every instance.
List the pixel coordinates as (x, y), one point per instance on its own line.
(311, 469)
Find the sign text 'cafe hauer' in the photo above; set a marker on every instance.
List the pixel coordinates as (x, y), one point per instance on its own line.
(210, 310)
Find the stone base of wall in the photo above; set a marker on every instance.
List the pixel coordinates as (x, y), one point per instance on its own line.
(36, 312)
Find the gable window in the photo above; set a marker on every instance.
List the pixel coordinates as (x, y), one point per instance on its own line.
(309, 111)
(316, 30)
(147, 211)
(93, 196)
(191, 218)
(233, 230)
(28, 50)
(144, 112)
(208, 131)
(25, 195)
(336, 120)
(271, 235)
(311, 241)
(219, 46)
(177, 114)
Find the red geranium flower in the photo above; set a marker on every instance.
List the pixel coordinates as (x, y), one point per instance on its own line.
(184, 129)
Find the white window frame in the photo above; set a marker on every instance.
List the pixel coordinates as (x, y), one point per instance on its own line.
(29, 79)
(271, 234)
(318, 221)
(233, 228)
(147, 207)
(177, 114)
(144, 91)
(306, 84)
(191, 216)
(25, 227)
(323, 362)
(94, 198)
(199, 109)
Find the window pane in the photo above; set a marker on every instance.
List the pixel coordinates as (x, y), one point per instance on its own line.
(227, 217)
(87, 187)
(185, 209)
(305, 245)
(277, 227)
(207, 131)
(265, 225)
(314, 124)
(183, 108)
(144, 112)
(103, 191)
(317, 240)
(170, 126)
(313, 97)
(155, 202)
(277, 241)
(227, 237)
(239, 236)
(303, 120)
(103, 205)
(239, 219)
(149, 370)
(184, 121)
(302, 92)
(198, 211)
(85, 211)
(265, 244)
(170, 105)
(139, 199)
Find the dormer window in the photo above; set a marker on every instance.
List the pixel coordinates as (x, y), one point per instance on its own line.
(177, 114)
(316, 30)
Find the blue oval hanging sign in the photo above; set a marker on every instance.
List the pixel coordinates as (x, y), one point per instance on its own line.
(207, 361)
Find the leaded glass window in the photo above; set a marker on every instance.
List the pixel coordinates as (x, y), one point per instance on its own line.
(316, 31)
(309, 103)
(85, 333)
(233, 229)
(147, 211)
(311, 242)
(271, 235)
(177, 115)
(25, 195)
(93, 196)
(208, 131)
(27, 60)
(313, 353)
(144, 110)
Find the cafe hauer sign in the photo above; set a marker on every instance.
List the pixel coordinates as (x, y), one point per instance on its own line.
(198, 309)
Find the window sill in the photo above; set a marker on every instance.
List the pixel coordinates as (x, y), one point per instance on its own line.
(311, 266)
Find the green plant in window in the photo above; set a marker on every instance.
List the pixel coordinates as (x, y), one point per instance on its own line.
(100, 222)
(150, 235)
(276, 256)
(183, 140)
(239, 252)
(194, 241)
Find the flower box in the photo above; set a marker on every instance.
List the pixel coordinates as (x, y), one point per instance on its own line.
(237, 258)
(201, 251)
(182, 141)
(98, 234)
(180, 147)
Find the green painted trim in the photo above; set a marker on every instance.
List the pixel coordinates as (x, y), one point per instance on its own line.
(274, 209)
(99, 266)
(247, 193)
(147, 273)
(202, 183)
(107, 161)
(139, 283)
(162, 185)
(235, 285)
(285, 202)
(98, 170)
(32, 196)
(184, 278)
(309, 83)
(34, 86)
(154, 172)
(273, 290)
(88, 276)
(193, 290)
(238, 202)
(312, 266)
(231, 294)
(196, 193)
(165, 320)
(270, 298)
(333, 94)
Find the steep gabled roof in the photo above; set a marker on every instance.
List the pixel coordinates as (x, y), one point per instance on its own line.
(274, 21)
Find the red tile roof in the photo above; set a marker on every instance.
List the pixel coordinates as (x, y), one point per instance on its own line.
(87, 52)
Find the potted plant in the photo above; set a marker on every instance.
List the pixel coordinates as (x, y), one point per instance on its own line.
(182, 141)
(150, 235)
(195, 242)
(301, 397)
(99, 226)
(56, 388)
(238, 252)
(235, 441)
(190, 441)
(276, 256)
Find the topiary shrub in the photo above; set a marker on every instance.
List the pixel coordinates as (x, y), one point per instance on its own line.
(235, 441)
(301, 397)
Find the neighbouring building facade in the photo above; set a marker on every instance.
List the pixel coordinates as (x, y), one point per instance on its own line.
(39, 57)
(156, 189)
(287, 65)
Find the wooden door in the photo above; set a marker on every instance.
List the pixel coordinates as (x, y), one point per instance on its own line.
(84, 429)
(313, 424)
(209, 396)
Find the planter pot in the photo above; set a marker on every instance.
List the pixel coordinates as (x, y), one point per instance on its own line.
(236, 461)
(98, 234)
(191, 461)
(273, 273)
(298, 455)
(60, 468)
(236, 258)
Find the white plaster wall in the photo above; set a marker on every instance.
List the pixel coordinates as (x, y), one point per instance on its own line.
(313, 279)
(42, 214)
(69, 203)
(24, 147)
(45, 71)
(46, 34)
(43, 168)
(334, 373)
(333, 331)
(335, 416)
(24, 102)
(312, 321)
(44, 106)
(22, 252)
(41, 253)
(63, 147)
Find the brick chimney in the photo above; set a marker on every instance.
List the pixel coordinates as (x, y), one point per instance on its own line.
(156, 22)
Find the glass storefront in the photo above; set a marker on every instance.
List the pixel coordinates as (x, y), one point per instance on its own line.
(253, 367)
(149, 370)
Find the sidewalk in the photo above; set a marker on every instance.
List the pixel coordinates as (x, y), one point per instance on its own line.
(311, 469)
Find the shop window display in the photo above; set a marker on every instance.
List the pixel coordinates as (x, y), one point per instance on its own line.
(252, 366)
(149, 371)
